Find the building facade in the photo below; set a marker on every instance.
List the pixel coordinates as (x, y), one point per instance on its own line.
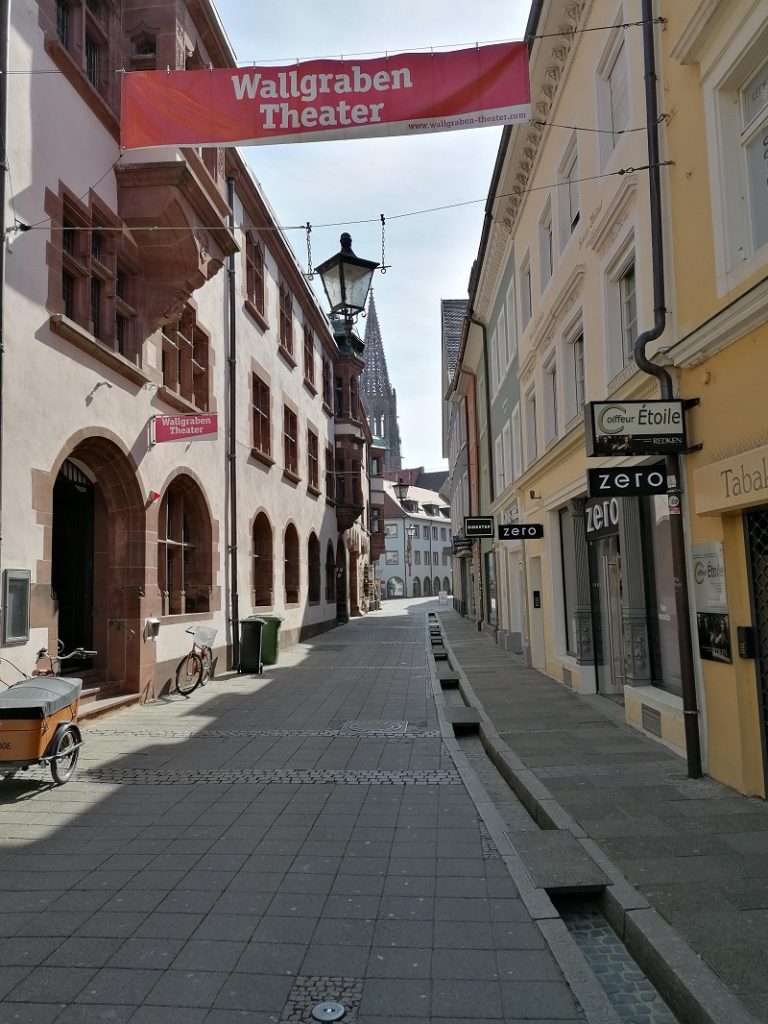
(121, 308)
(417, 535)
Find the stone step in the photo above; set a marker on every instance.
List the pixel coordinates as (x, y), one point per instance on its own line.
(106, 706)
(93, 691)
(463, 720)
(448, 678)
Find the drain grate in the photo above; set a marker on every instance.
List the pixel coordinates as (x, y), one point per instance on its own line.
(309, 992)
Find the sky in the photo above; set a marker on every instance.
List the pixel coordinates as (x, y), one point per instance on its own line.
(430, 255)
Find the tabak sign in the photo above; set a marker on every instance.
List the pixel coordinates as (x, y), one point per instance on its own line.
(191, 427)
(318, 100)
(635, 428)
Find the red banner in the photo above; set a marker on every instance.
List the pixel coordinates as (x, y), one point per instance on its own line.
(317, 100)
(188, 427)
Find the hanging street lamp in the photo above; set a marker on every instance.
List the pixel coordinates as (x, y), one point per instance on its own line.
(347, 280)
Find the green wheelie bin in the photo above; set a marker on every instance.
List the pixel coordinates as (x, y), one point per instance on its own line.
(270, 639)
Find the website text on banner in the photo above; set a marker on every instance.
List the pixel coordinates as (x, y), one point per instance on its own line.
(318, 100)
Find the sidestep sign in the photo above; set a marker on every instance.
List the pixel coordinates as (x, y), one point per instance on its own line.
(478, 526)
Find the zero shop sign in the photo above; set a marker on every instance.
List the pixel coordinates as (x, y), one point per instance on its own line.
(635, 428)
(520, 531)
(193, 427)
(478, 526)
(629, 480)
(602, 517)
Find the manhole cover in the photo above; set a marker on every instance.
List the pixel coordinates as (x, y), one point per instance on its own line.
(328, 1011)
(356, 727)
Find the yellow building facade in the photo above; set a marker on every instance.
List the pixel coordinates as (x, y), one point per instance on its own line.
(714, 67)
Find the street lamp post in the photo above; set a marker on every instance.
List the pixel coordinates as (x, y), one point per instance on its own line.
(347, 280)
(401, 493)
(411, 531)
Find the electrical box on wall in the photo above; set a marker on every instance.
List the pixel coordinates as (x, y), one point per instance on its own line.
(151, 628)
(746, 641)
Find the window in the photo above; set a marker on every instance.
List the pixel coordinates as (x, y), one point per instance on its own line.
(262, 424)
(628, 306)
(443, 533)
(291, 563)
(546, 247)
(185, 360)
(568, 194)
(375, 519)
(517, 444)
(330, 475)
(290, 441)
(498, 465)
(551, 421)
(434, 533)
(184, 563)
(506, 448)
(327, 392)
(390, 530)
(574, 391)
(531, 440)
(618, 92)
(754, 139)
(263, 568)
(309, 357)
(445, 562)
(313, 462)
(313, 569)
(511, 323)
(17, 585)
(254, 273)
(286, 320)
(417, 557)
(392, 557)
(63, 23)
(525, 291)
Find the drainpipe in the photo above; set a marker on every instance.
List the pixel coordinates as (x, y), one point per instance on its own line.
(231, 439)
(5, 35)
(673, 467)
(479, 323)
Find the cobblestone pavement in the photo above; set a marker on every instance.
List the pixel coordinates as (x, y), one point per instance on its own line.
(267, 844)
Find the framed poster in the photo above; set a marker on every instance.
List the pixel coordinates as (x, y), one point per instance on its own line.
(712, 620)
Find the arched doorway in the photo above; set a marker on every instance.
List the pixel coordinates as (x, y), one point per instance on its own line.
(416, 586)
(446, 585)
(395, 587)
(98, 562)
(436, 586)
(427, 587)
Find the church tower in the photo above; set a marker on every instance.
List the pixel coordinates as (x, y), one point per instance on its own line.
(379, 397)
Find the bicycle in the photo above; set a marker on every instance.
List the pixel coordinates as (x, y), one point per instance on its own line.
(196, 667)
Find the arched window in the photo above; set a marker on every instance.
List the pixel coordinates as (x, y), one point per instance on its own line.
(446, 585)
(436, 586)
(395, 587)
(263, 565)
(416, 586)
(313, 566)
(184, 556)
(291, 544)
(330, 573)
(427, 587)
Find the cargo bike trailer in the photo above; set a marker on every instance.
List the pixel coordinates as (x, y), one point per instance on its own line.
(38, 723)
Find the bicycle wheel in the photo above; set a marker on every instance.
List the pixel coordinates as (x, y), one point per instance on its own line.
(67, 753)
(189, 673)
(207, 660)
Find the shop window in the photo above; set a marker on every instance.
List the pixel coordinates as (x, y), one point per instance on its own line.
(286, 321)
(185, 360)
(570, 589)
(263, 565)
(313, 569)
(254, 273)
(184, 562)
(330, 572)
(262, 420)
(313, 461)
(292, 565)
(290, 441)
(309, 358)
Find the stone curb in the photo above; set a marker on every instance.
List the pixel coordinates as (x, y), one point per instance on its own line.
(689, 986)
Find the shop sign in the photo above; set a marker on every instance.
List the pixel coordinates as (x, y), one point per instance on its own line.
(712, 619)
(601, 517)
(520, 531)
(736, 482)
(628, 481)
(478, 526)
(461, 544)
(635, 428)
(192, 427)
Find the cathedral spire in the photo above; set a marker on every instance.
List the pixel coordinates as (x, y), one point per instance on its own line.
(379, 396)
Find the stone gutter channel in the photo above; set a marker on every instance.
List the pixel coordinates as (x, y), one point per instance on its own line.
(623, 961)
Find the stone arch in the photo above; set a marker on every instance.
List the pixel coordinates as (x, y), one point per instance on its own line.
(292, 564)
(416, 586)
(427, 587)
(263, 560)
(313, 569)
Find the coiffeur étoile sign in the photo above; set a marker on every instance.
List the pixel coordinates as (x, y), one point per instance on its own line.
(317, 100)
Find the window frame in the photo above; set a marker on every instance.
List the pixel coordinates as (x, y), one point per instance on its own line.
(290, 442)
(261, 416)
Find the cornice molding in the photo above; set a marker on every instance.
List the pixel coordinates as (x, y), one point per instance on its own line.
(746, 314)
(692, 40)
(609, 223)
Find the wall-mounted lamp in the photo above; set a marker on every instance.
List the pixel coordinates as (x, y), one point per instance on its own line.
(534, 496)
(153, 496)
